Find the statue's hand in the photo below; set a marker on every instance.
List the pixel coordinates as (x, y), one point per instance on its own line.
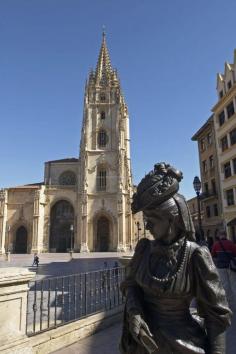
(137, 325)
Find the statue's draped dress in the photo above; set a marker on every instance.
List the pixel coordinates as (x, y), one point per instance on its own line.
(160, 285)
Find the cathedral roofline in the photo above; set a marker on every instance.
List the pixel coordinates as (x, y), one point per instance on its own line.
(28, 186)
(69, 159)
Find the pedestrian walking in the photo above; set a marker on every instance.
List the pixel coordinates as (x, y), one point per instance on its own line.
(36, 260)
(223, 252)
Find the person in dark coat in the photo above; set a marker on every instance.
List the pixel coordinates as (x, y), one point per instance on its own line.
(223, 251)
(36, 260)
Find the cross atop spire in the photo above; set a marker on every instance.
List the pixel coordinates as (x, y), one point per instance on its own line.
(103, 31)
(104, 69)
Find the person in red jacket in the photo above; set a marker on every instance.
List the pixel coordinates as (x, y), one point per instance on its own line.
(222, 252)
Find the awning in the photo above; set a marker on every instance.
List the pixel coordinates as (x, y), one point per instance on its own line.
(232, 222)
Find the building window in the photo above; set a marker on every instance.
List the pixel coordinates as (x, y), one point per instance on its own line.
(224, 143)
(211, 161)
(227, 170)
(234, 165)
(204, 166)
(213, 185)
(229, 84)
(208, 211)
(230, 109)
(215, 207)
(232, 136)
(102, 138)
(67, 178)
(101, 180)
(209, 138)
(230, 197)
(221, 118)
(233, 234)
(206, 187)
(221, 94)
(202, 142)
(103, 115)
(102, 97)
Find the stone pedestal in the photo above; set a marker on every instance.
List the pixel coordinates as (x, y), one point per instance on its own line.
(8, 256)
(84, 248)
(13, 308)
(121, 248)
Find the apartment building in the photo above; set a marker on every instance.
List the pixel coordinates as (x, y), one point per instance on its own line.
(225, 133)
(193, 208)
(210, 197)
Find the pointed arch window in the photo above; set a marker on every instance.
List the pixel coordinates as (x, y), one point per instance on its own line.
(102, 138)
(101, 180)
(103, 115)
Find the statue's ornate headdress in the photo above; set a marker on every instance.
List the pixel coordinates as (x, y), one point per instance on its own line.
(156, 187)
(159, 186)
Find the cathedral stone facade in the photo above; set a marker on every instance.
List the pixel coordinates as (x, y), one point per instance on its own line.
(84, 203)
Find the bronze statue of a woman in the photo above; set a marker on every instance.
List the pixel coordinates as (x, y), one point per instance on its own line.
(166, 274)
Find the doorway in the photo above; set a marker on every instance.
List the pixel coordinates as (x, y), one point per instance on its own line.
(62, 217)
(103, 231)
(21, 240)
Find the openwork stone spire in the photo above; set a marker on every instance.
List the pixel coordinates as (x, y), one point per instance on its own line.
(104, 71)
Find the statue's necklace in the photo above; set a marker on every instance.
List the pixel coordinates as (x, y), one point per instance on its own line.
(179, 268)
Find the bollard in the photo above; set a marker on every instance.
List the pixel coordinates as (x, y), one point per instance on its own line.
(8, 256)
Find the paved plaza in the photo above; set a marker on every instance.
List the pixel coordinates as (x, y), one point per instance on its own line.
(104, 342)
(107, 341)
(58, 264)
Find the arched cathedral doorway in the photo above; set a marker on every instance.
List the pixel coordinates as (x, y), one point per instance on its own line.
(103, 234)
(21, 240)
(61, 219)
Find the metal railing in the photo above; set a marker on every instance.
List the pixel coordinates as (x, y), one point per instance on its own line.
(53, 302)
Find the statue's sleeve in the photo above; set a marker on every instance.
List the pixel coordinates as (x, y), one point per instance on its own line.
(211, 300)
(129, 286)
(133, 293)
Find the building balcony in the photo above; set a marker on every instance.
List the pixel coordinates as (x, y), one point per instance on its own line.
(208, 194)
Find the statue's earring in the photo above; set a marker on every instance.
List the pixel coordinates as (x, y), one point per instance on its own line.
(170, 226)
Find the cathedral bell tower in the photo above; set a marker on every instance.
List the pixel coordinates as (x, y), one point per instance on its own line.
(105, 188)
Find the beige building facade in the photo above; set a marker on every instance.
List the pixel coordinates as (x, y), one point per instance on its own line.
(193, 208)
(84, 203)
(225, 130)
(210, 197)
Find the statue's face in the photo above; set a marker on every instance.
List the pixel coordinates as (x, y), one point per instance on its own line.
(158, 223)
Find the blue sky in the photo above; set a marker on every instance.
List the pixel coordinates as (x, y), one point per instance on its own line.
(167, 54)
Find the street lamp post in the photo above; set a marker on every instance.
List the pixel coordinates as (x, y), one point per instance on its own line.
(71, 239)
(8, 243)
(197, 187)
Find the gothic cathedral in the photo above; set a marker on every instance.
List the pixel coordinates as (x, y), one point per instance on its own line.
(84, 203)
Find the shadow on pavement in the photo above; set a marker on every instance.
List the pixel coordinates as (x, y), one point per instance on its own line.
(74, 266)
